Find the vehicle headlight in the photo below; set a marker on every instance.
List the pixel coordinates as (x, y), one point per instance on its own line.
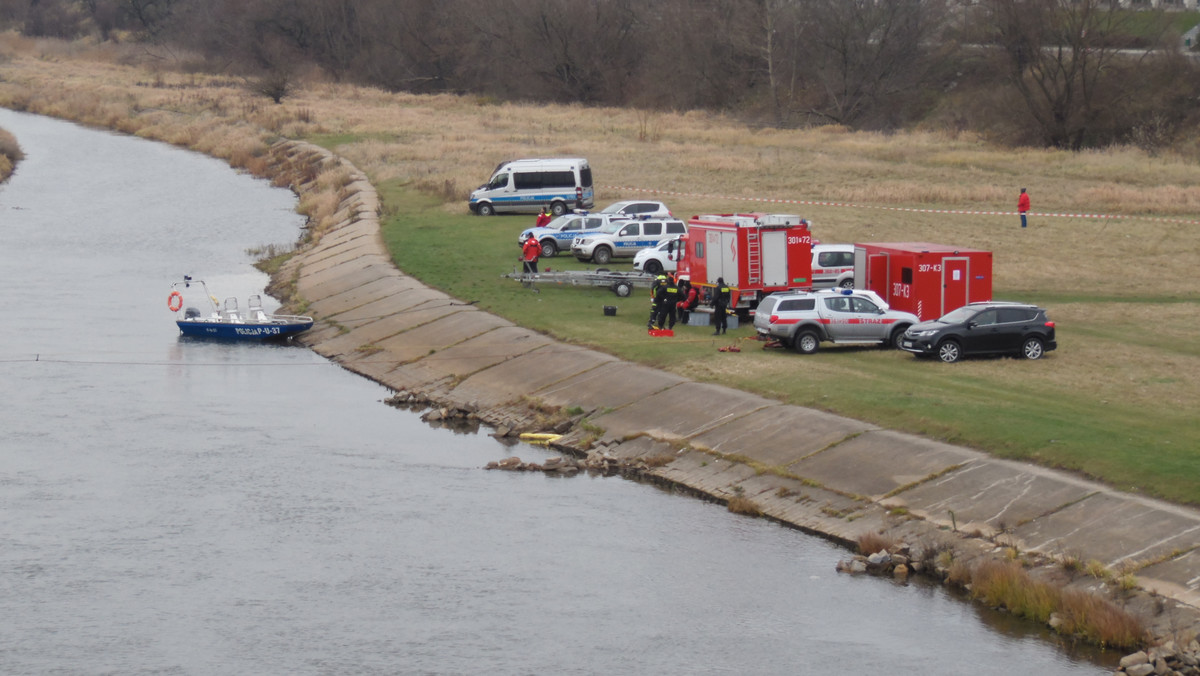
(922, 334)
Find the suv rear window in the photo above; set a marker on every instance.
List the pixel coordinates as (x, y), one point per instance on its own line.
(651, 228)
(1012, 315)
(794, 304)
(675, 228)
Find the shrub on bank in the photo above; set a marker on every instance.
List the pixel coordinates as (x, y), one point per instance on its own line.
(10, 154)
(1005, 584)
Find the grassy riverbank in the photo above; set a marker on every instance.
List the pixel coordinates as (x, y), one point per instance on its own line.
(1114, 402)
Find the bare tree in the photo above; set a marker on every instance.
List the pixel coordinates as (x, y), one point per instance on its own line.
(1068, 60)
(565, 50)
(863, 53)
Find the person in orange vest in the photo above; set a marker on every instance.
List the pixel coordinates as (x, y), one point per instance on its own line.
(529, 254)
(543, 218)
(1023, 206)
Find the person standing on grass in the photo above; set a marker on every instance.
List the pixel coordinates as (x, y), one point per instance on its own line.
(543, 218)
(1023, 206)
(720, 306)
(529, 254)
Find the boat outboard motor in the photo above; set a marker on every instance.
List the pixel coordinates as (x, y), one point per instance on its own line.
(191, 313)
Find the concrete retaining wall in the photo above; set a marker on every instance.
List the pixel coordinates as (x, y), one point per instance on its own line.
(829, 475)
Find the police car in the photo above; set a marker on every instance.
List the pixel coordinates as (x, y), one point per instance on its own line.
(805, 319)
(558, 234)
(624, 239)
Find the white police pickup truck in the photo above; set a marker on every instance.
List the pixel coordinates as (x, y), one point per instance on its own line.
(624, 239)
(805, 319)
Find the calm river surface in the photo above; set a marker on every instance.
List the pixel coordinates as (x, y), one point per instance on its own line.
(172, 506)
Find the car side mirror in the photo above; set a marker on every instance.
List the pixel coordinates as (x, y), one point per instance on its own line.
(971, 325)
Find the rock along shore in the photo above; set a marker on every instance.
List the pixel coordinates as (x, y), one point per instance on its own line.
(831, 476)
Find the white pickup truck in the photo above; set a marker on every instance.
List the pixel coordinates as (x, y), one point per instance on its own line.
(804, 319)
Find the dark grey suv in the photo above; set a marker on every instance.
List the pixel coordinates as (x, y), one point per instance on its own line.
(983, 328)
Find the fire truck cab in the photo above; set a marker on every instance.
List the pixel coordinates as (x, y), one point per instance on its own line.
(754, 253)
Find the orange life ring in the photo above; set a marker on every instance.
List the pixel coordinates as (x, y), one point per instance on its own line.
(175, 301)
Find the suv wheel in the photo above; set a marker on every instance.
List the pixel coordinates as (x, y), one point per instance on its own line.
(1032, 348)
(949, 352)
(807, 342)
(602, 255)
(897, 337)
(549, 248)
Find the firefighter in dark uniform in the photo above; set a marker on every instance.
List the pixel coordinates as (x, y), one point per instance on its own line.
(660, 280)
(666, 310)
(664, 301)
(720, 306)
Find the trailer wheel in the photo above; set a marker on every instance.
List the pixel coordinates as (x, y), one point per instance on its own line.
(486, 209)
(1032, 348)
(558, 209)
(949, 352)
(602, 255)
(807, 342)
(622, 289)
(549, 248)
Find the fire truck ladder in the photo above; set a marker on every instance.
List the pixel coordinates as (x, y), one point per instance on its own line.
(753, 258)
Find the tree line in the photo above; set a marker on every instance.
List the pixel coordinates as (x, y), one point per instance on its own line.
(1062, 73)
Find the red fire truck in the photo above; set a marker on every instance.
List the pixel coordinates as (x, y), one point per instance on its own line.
(927, 280)
(755, 253)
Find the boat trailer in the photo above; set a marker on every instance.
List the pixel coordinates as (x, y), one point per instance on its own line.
(620, 283)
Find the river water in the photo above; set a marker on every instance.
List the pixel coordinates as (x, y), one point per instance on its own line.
(175, 506)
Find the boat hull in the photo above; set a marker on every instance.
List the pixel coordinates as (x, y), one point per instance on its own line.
(242, 331)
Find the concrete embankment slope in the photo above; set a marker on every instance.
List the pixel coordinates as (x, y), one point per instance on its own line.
(821, 472)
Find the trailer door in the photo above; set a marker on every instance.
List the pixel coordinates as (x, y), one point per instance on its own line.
(774, 259)
(955, 283)
(877, 275)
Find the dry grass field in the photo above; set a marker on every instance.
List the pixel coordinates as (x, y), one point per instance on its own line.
(1123, 288)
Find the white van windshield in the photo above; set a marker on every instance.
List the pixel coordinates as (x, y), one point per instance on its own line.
(498, 181)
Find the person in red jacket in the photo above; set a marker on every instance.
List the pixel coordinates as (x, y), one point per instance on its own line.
(691, 297)
(543, 218)
(529, 254)
(1023, 206)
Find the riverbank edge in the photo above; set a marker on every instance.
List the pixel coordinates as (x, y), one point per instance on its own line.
(343, 275)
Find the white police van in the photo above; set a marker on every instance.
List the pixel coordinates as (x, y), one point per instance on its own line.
(525, 186)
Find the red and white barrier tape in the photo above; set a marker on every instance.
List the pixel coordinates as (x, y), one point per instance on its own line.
(849, 205)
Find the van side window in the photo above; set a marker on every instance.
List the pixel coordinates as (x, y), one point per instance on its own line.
(527, 180)
(585, 177)
(652, 228)
(835, 259)
(558, 179)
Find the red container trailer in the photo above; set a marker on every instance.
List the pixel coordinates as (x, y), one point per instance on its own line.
(755, 253)
(925, 279)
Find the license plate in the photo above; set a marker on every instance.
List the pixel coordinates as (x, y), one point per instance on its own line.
(906, 343)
